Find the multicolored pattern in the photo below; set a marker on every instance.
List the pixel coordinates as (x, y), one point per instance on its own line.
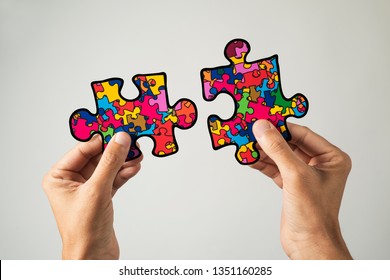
(255, 87)
(147, 115)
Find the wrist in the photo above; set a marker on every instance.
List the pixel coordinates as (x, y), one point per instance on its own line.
(322, 247)
(71, 251)
(90, 250)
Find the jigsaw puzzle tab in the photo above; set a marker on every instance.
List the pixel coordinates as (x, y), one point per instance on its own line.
(147, 115)
(256, 89)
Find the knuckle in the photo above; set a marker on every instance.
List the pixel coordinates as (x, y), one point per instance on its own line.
(347, 161)
(49, 178)
(44, 183)
(277, 145)
(110, 159)
(344, 160)
(137, 168)
(132, 172)
(306, 129)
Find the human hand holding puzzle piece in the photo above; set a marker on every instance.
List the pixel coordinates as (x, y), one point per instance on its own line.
(257, 92)
(147, 115)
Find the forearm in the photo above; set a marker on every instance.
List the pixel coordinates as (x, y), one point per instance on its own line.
(84, 249)
(323, 247)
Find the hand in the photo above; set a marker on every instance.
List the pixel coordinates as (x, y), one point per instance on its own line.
(312, 174)
(80, 188)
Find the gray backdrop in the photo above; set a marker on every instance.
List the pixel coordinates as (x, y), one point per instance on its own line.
(199, 203)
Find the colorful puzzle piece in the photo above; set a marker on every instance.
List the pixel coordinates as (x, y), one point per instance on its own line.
(257, 92)
(147, 115)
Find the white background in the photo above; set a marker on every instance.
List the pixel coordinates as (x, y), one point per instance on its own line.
(199, 203)
(281, 269)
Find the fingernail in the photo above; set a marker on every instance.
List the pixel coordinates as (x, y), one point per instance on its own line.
(122, 138)
(260, 127)
(94, 137)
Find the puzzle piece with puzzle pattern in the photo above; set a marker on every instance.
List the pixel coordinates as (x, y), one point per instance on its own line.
(257, 92)
(147, 115)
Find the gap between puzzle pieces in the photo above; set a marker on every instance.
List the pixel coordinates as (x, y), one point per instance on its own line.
(257, 92)
(149, 114)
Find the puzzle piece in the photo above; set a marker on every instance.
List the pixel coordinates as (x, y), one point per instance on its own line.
(147, 115)
(255, 87)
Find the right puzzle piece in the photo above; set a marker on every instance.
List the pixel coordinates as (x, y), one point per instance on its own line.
(257, 92)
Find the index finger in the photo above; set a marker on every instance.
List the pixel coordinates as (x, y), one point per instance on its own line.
(308, 141)
(80, 155)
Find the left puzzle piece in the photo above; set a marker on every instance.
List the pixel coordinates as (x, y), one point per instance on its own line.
(147, 115)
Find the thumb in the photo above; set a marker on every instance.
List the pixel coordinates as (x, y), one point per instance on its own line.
(112, 160)
(274, 145)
